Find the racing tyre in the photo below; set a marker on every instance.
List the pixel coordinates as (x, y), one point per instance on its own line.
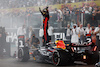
(61, 57)
(23, 54)
(92, 59)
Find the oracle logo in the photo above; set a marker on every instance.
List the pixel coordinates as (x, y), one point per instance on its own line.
(60, 36)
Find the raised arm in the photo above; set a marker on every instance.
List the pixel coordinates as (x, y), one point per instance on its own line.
(40, 10)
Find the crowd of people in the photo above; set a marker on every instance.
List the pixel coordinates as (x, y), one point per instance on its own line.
(30, 35)
(29, 3)
(90, 14)
(76, 34)
(86, 13)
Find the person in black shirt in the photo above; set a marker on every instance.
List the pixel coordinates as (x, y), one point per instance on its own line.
(34, 41)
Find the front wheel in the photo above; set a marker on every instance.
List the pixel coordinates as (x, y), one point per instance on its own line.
(23, 54)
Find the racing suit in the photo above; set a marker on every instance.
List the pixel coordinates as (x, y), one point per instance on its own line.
(45, 14)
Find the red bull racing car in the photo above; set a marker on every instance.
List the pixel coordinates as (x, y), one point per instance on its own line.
(59, 53)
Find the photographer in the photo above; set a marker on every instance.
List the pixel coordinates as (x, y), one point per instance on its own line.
(34, 42)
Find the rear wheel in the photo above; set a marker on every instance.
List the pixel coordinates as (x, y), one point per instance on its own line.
(92, 59)
(61, 57)
(23, 54)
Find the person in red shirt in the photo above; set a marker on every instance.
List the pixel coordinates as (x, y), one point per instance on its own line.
(93, 36)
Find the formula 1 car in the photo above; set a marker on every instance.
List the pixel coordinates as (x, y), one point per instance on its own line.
(61, 53)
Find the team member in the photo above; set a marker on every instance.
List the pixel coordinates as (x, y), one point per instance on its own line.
(88, 29)
(74, 32)
(41, 34)
(30, 32)
(81, 33)
(50, 32)
(68, 33)
(21, 31)
(97, 35)
(34, 41)
(93, 37)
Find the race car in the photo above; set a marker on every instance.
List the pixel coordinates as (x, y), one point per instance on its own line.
(59, 53)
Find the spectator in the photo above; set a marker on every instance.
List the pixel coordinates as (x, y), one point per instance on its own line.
(59, 18)
(96, 11)
(74, 8)
(67, 16)
(68, 33)
(87, 9)
(30, 3)
(90, 9)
